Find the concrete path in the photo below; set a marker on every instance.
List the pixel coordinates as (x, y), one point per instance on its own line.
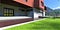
(20, 24)
(7, 21)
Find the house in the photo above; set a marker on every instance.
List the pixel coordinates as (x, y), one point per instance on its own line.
(31, 8)
(28, 8)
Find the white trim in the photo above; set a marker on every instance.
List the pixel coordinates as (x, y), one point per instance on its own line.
(19, 24)
(15, 17)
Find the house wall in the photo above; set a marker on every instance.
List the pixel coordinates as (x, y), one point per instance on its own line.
(31, 3)
(1, 10)
(17, 12)
(28, 3)
(37, 13)
(42, 7)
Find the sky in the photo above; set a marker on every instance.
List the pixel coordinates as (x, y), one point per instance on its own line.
(53, 4)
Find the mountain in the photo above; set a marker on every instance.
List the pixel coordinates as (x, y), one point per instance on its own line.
(55, 12)
(57, 9)
(51, 12)
(49, 9)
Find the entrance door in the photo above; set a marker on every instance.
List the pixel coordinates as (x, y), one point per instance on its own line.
(8, 12)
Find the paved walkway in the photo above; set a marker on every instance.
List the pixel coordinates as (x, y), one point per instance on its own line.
(4, 21)
(20, 24)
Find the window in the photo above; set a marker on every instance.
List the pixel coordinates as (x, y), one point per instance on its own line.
(45, 8)
(42, 3)
(8, 12)
(26, 0)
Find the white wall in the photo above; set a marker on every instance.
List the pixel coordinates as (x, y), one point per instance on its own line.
(43, 14)
(36, 13)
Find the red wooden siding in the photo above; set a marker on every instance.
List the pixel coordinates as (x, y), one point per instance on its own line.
(40, 4)
(29, 2)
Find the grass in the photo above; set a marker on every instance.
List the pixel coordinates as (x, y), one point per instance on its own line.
(47, 24)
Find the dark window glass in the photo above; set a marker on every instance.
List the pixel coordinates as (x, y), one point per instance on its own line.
(26, 0)
(8, 12)
(42, 3)
(45, 8)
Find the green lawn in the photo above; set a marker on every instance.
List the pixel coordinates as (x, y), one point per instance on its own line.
(47, 24)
